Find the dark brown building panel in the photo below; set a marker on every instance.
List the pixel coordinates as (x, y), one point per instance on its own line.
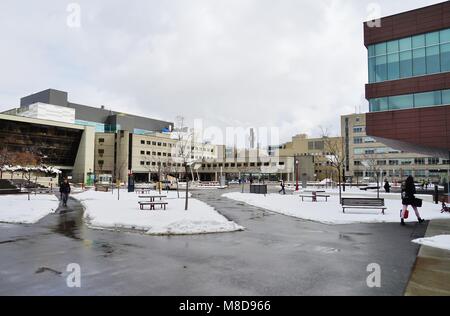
(422, 128)
(414, 22)
(407, 86)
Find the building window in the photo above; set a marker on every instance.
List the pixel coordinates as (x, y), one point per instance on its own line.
(358, 129)
(142, 163)
(159, 144)
(357, 140)
(101, 162)
(101, 140)
(149, 142)
(419, 161)
(433, 161)
(148, 153)
(410, 56)
(159, 154)
(142, 142)
(357, 163)
(142, 152)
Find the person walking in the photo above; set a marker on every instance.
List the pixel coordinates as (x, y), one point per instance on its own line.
(64, 189)
(387, 186)
(408, 198)
(282, 188)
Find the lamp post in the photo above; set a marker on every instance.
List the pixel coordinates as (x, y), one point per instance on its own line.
(297, 173)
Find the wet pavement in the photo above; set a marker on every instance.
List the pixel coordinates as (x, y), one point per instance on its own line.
(275, 255)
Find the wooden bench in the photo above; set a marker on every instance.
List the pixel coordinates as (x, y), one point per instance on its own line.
(152, 205)
(363, 203)
(314, 197)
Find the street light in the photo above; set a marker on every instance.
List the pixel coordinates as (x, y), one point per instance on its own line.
(297, 171)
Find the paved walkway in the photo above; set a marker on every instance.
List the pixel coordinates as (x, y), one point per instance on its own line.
(431, 273)
(275, 255)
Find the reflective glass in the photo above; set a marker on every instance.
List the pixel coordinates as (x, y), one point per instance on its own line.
(433, 60)
(419, 65)
(406, 64)
(392, 47)
(401, 102)
(371, 50)
(445, 36)
(418, 41)
(380, 49)
(405, 44)
(393, 66)
(432, 38)
(446, 97)
(445, 57)
(427, 99)
(372, 69)
(381, 68)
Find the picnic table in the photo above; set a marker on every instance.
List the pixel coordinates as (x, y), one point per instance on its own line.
(152, 197)
(314, 196)
(142, 190)
(151, 201)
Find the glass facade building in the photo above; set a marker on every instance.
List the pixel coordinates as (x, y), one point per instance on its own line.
(413, 56)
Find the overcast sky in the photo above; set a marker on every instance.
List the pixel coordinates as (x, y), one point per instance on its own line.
(293, 64)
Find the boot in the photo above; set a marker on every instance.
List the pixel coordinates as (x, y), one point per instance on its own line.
(421, 220)
(402, 222)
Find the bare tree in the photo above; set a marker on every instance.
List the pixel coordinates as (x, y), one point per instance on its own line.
(183, 150)
(371, 164)
(335, 154)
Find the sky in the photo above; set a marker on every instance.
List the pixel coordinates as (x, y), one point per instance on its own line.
(295, 65)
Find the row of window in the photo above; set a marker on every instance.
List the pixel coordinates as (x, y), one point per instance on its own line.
(359, 129)
(403, 162)
(409, 57)
(372, 151)
(159, 144)
(154, 153)
(363, 140)
(159, 163)
(408, 101)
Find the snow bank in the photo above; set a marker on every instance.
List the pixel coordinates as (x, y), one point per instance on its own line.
(103, 210)
(17, 208)
(331, 212)
(440, 241)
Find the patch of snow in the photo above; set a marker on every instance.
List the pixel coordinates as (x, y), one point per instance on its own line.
(440, 241)
(104, 211)
(17, 209)
(331, 212)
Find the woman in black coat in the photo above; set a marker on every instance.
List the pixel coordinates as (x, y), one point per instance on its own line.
(408, 198)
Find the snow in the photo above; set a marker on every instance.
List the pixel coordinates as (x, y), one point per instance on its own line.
(331, 212)
(17, 209)
(104, 211)
(440, 241)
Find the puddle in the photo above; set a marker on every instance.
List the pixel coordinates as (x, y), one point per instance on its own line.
(327, 250)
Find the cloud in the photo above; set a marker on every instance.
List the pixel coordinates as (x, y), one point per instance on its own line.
(297, 65)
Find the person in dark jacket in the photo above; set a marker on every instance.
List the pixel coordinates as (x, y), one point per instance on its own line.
(408, 198)
(283, 189)
(64, 189)
(387, 186)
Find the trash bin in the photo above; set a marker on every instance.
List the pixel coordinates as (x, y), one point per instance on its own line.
(258, 188)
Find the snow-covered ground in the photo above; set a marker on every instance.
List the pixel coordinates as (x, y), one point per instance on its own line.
(17, 209)
(441, 242)
(104, 211)
(331, 212)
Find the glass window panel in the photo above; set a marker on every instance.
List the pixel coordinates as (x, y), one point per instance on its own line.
(379, 104)
(419, 63)
(371, 50)
(445, 36)
(392, 47)
(401, 102)
(406, 64)
(418, 41)
(380, 49)
(445, 57)
(372, 69)
(432, 38)
(381, 68)
(393, 66)
(427, 99)
(446, 97)
(405, 44)
(433, 60)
